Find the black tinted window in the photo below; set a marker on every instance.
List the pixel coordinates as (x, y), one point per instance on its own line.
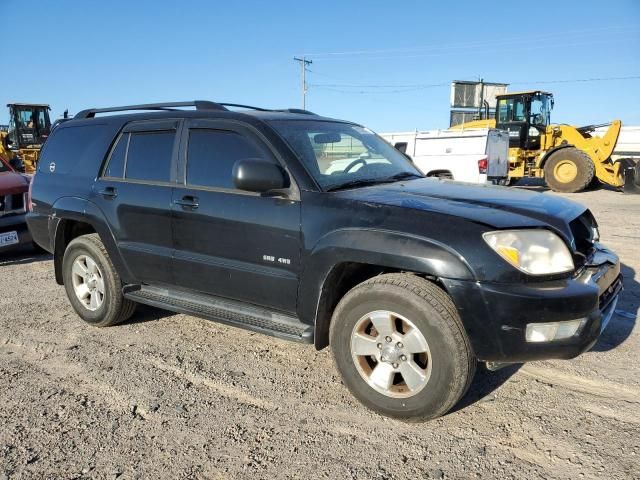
(115, 167)
(72, 148)
(149, 156)
(212, 154)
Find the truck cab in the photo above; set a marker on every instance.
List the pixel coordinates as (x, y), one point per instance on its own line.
(525, 115)
(29, 127)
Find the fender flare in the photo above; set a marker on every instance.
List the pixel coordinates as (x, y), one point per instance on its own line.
(379, 248)
(82, 210)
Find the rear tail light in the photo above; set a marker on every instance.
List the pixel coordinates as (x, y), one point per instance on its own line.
(29, 195)
(483, 163)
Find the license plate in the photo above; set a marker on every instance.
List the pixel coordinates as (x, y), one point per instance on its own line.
(9, 238)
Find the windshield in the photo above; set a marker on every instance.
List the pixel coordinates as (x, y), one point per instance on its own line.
(340, 155)
(541, 110)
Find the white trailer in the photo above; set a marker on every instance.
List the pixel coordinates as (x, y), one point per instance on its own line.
(475, 155)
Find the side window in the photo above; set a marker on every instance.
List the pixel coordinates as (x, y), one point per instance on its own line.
(212, 154)
(149, 156)
(115, 165)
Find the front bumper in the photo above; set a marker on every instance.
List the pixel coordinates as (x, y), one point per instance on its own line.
(15, 223)
(496, 315)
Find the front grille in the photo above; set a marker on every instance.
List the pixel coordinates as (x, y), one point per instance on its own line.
(12, 204)
(583, 229)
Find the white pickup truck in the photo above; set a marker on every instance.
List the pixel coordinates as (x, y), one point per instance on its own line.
(475, 155)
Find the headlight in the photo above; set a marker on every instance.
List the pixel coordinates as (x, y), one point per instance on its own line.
(536, 252)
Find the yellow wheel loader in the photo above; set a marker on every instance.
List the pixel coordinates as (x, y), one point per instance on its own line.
(567, 157)
(29, 127)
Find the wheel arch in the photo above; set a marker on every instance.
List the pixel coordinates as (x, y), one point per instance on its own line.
(346, 258)
(440, 173)
(74, 217)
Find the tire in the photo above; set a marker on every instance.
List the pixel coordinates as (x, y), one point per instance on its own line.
(101, 309)
(569, 170)
(446, 369)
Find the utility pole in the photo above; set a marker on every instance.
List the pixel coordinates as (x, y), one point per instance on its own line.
(303, 63)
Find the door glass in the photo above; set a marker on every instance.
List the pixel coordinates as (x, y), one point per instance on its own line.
(115, 167)
(510, 110)
(540, 110)
(149, 156)
(212, 154)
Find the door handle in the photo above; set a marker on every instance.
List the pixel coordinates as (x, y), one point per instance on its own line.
(110, 192)
(188, 202)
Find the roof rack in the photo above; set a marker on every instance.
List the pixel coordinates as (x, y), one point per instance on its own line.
(239, 105)
(296, 110)
(260, 109)
(199, 104)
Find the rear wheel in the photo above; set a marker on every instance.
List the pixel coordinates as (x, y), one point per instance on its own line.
(569, 170)
(400, 347)
(93, 284)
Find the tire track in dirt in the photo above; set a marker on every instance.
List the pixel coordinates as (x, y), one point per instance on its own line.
(598, 388)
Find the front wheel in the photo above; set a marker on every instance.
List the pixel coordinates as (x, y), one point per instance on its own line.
(400, 347)
(569, 170)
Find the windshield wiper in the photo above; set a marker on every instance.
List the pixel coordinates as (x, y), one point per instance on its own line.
(402, 176)
(362, 182)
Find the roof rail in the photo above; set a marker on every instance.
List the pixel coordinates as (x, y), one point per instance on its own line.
(199, 104)
(260, 109)
(239, 105)
(296, 110)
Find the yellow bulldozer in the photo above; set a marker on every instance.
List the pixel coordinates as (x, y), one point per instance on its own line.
(569, 158)
(28, 129)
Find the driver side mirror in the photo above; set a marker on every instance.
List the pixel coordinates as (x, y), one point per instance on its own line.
(256, 175)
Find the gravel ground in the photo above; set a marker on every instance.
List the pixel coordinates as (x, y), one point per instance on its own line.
(173, 396)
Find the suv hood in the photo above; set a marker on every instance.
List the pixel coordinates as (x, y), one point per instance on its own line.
(12, 183)
(497, 207)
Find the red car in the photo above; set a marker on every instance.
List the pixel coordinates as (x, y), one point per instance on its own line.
(14, 191)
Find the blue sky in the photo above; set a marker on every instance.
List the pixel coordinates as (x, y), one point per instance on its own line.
(76, 54)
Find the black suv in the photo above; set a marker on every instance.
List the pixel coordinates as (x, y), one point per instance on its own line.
(316, 230)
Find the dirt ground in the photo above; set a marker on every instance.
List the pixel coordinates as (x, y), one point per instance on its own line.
(173, 396)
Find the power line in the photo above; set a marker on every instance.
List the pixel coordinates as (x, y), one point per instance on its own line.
(339, 88)
(578, 80)
(479, 44)
(476, 50)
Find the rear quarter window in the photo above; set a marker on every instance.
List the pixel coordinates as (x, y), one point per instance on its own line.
(75, 148)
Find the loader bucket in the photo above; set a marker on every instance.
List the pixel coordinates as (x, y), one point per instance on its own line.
(631, 172)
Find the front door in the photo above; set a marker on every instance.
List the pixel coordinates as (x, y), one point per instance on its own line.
(231, 243)
(511, 116)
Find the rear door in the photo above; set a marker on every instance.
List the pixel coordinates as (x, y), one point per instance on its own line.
(231, 243)
(134, 192)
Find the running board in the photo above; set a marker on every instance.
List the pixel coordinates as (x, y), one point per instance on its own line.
(226, 311)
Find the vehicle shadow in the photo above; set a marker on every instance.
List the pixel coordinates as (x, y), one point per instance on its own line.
(23, 256)
(538, 185)
(146, 313)
(484, 384)
(626, 315)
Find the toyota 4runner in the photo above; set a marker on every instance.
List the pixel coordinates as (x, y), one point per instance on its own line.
(316, 230)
